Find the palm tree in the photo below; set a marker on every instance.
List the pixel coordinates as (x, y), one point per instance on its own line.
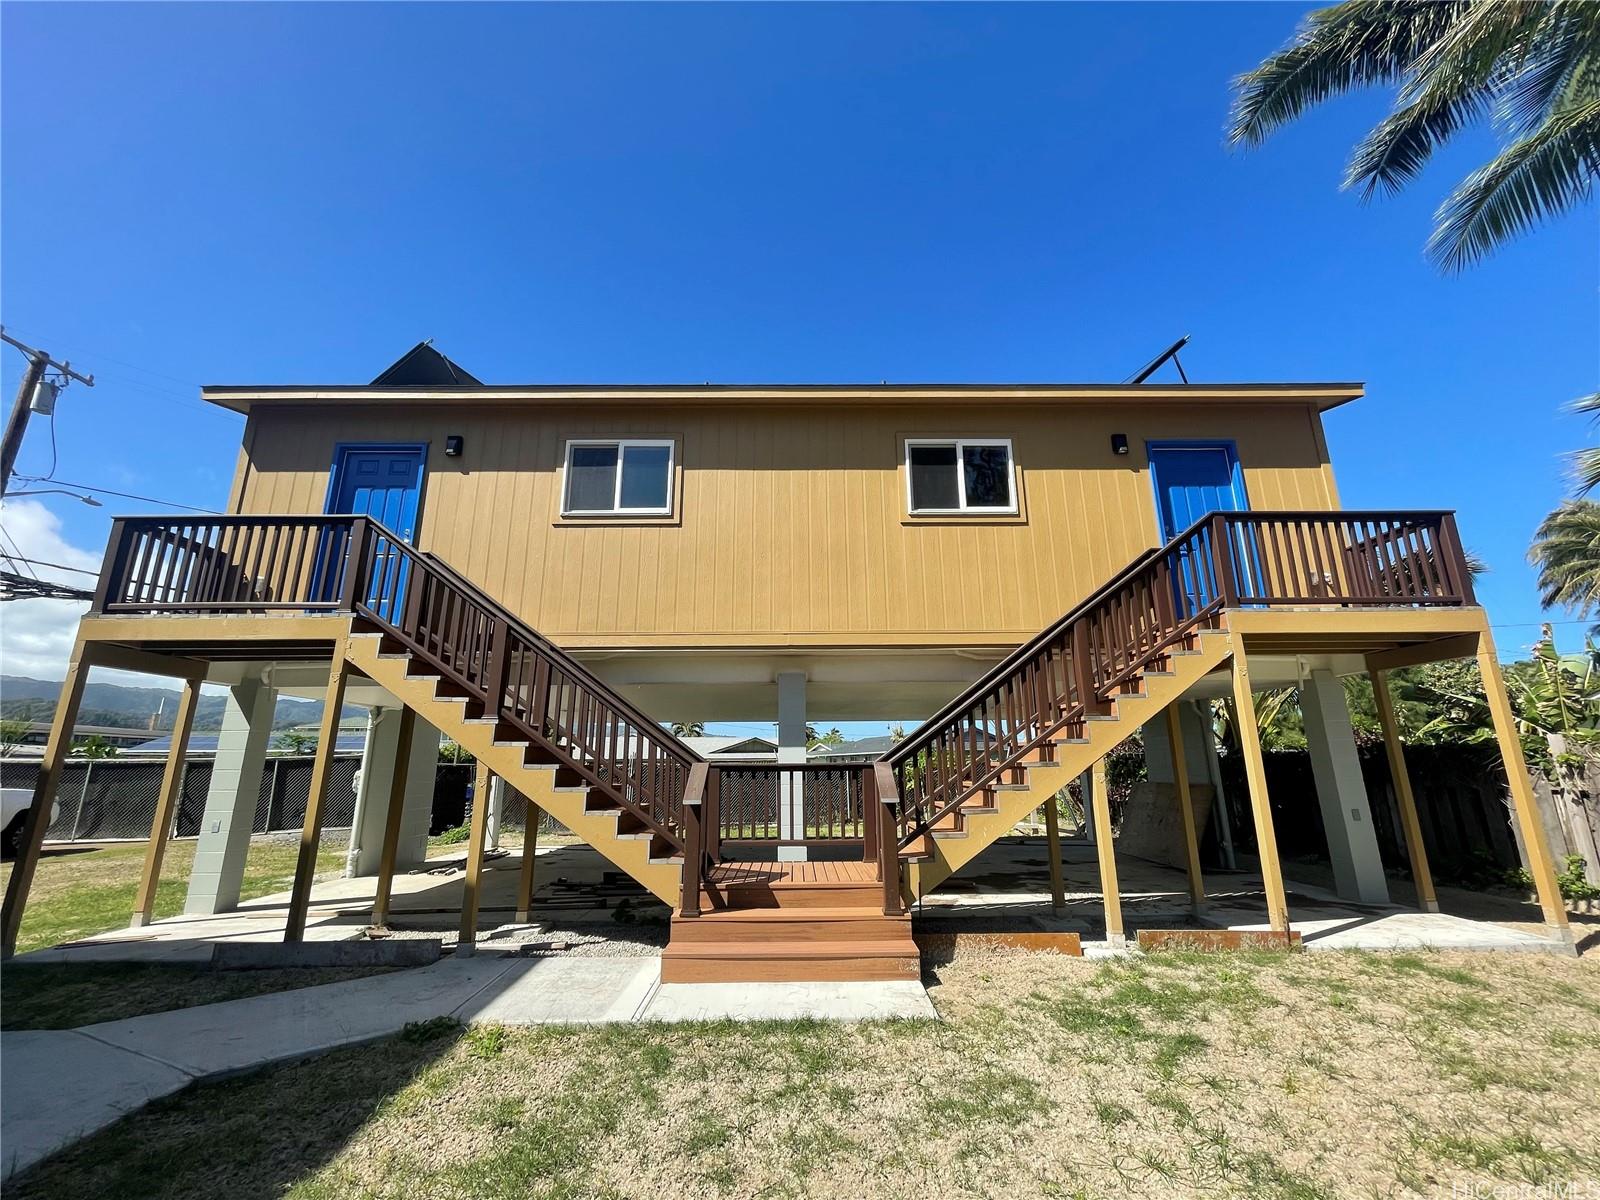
(1531, 67)
(1566, 550)
(96, 745)
(1586, 463)
(688, 729)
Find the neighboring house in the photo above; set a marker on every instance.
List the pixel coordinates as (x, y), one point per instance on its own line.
(30, 744)
(549, 574)
(862, 750)
(723, 748)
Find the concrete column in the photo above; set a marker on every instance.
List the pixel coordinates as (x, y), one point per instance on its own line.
(372, 792)
(1158, 747)
(497, 810)
(230, 812)
(791, 749)
(422, 773)
(1219, 805)
(1341, 791)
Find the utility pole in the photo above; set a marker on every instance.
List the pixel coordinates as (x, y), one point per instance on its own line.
(17, 423)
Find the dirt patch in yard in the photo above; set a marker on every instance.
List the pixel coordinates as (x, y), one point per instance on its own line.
(1173, 1075)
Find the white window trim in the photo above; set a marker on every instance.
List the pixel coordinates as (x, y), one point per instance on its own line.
(622, 445)
(960, 444)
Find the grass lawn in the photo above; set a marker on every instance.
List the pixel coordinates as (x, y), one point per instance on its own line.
(66, 995)
(79, 891)
(1305, 1076)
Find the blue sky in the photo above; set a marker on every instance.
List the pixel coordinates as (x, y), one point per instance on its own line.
(281, 193)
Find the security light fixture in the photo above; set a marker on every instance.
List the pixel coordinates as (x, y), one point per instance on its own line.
(452, 446)
(1119, 443)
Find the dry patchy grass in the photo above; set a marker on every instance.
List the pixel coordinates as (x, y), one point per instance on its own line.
(1326, 1075)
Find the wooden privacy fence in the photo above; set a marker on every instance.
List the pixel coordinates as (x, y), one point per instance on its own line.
(1461, 804)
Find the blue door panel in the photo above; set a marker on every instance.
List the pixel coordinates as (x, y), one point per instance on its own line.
(384, 483)
(1192, 480)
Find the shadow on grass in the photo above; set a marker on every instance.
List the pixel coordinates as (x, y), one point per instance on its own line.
(251, 1137)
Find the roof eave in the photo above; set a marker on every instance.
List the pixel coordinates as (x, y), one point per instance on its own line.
(240, 398)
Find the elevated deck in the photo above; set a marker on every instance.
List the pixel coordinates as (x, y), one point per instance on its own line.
(348, 600)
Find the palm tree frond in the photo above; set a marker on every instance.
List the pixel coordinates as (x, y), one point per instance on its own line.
(1560, 68)
(1336, 49)
(1543, 174)
(1449, 86)
(1586, 469)
(1566, 551)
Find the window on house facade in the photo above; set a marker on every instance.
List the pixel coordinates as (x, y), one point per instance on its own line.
(960, 475)
(624, 478)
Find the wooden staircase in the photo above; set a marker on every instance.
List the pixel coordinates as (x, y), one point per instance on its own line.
(592, 812)
(655, 809)
(766, 922)
(992, 812)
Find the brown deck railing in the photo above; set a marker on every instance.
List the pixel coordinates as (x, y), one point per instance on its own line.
(352, 564)
(748, 798)
(318, 564)
(1073, 669)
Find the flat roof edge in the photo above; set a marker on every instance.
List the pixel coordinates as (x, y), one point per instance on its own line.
(240, 397)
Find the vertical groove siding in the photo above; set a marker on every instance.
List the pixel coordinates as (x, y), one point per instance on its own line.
(791, 522)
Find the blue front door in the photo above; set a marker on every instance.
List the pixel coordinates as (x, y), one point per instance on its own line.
(1192, 479)
(384, 483)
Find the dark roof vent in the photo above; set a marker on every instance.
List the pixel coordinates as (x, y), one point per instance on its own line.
(423, 366)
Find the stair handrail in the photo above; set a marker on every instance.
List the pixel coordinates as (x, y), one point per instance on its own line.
(1205, 556)
(571, 665)
(376, 597)
(913, 741)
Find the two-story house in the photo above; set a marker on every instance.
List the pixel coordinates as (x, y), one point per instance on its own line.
(552, 574)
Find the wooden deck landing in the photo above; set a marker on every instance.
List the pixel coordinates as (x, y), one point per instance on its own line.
(791, 874)
(790, 922)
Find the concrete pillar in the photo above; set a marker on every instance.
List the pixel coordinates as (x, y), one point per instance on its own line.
(1341, 791)
(791, 749)
(372, 792)
(1219, 806)
(1158, 747)
(422, 774)
(497, 810)
(219, 855)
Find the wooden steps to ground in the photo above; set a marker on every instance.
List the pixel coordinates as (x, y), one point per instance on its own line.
(790, 923)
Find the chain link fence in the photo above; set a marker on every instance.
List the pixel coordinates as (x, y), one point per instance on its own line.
(109, 799)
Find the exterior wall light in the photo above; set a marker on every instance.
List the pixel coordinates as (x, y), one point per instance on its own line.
(1119, 443)
(453, 445)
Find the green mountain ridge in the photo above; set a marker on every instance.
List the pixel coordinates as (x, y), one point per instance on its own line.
(119, 706)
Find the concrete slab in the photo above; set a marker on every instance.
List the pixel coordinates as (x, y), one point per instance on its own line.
(394, 952)
(900, 998)
(1392, 929)
(58, 1086)
(217, 1039)
(565, 991)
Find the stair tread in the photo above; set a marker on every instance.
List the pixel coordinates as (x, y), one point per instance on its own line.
(792, 916)
(864, 948)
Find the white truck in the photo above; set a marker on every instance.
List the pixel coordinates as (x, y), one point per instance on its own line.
(13, 815)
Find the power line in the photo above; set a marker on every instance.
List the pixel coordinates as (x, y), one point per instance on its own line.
(103, 491)
(39, 562)
(16, 559)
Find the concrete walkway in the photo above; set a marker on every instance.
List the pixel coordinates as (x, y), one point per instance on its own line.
(59, 1086)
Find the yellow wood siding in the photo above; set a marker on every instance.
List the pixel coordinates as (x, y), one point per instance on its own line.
(791, 524)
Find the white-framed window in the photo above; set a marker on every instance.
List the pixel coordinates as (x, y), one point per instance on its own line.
(626, 477)
(960, 475)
